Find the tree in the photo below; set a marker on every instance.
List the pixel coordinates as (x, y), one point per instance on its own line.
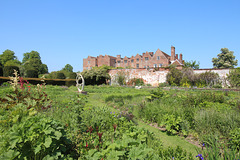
(32, 61)
(225, 59)
(9, 70)
(60, 75)
(14, 62)
(30, 55)
(68, 68)
(8, 55)
(43, 69)
(96, 76)
(191, 64)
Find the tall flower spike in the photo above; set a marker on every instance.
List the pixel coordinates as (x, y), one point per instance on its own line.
(114, 126)
(100, 136)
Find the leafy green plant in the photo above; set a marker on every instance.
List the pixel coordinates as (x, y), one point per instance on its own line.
(121, 78)
(234, 77)
(136, 82)
(235, 139)
(35, 138)
(171, 123)
(23, 93)
(155, 94)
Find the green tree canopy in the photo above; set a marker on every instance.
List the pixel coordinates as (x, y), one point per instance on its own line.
(8, 55)
(32, 61)
(68, 68)
(30, 55)
(191, 64)
(14, 62)
(96, 76)
(225, 59)
(43, 69)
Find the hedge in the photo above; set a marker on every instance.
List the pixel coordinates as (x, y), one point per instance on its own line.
(9, 70)
(34, 81)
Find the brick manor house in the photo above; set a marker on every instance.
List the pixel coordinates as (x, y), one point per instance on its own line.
(146, 60)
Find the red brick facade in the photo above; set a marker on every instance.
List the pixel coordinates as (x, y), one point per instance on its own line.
(146, 60)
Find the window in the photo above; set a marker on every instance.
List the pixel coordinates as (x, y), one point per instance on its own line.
(137, 65)
(86, 67)
(146, 58)
(125, 61)
(137, 59)
(155, 66)
(144, 66)
(132, 60)
(119, 61)
(158, 57)
(160, 65)
(88, 62)
(147, 67)
(90, 67)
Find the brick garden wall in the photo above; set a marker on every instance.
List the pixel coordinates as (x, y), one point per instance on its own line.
(150, 76)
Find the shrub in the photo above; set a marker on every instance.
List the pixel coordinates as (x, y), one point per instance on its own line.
(52, 75)
(1, 71)
(121, 78)
(96, 76)
(188, 75)
(9, 70)
(31, 73)
(71, 75)
(165, 84)
(136, 82)
(234, 77)
(208, 79)
(60, 75)
(174, 77)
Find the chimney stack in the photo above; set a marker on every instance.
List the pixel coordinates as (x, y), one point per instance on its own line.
(119, 56)
(176, 56)
(181, 58)
(172, 53)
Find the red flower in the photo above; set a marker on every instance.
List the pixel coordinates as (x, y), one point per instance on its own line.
(97, 129)
(67, 107)
(100, 136)
(114, 126)
(21, 82)
(90, 129)
(86, 145)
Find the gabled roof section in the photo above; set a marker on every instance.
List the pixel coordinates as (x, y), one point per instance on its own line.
(151, 53)
(138, 56)
(165, 54)
(147, 54)
(91, 57)
(125, 57)
(177, 62)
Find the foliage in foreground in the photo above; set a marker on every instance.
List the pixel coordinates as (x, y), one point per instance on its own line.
(234, 77)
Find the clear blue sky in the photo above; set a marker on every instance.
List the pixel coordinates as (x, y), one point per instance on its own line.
(66, 31)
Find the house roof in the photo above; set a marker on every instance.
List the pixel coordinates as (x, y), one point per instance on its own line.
(177, 62)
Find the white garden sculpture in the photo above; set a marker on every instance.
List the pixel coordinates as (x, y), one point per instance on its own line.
(79, 77)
